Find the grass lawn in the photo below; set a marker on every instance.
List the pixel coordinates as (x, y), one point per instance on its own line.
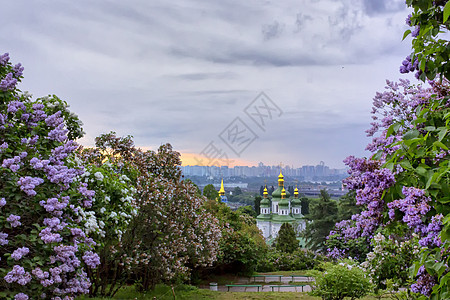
(186, 292)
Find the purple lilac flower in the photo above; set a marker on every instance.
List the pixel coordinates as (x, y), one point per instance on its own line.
(48, 237)
(21, 296)
(11, 162)
(408, 20)
(8, 83)
(58, 134)
(414, 206)
(2, 202)
(55, 224)
(18, 70)
(416, 31)
(18, 274)
(19, 253)
(66, 255)
(3, 240)
(54, 120)
(34, 139)
(79, 284)
(424, 283)
(27, 184)
(54, 206)
(14, 220)
(335, 253)
(91, 259)
(39, 274)
(4, 58)
(432, 232)
(89, 194)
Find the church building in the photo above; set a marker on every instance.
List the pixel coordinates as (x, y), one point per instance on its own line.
(279, 209)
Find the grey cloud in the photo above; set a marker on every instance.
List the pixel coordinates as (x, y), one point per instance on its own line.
(204, 76)
(273, 30)
(301, 20)
(373, 7)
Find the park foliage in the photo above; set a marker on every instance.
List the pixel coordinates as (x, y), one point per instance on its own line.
(80, 220)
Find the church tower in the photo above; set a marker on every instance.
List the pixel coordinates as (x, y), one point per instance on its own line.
(297, 211)
(222, 196)
(263, 220)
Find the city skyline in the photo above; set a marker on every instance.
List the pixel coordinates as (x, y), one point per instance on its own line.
(261, 170)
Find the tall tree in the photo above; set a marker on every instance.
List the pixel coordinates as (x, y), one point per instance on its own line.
(322, 217)
(257, 204)
(305, 205)
(209, 191)
(347, 206)
(237, 191)
(286, 240)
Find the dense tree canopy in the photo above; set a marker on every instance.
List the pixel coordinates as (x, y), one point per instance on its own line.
(322, 217)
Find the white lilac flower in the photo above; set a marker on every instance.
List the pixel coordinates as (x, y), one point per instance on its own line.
(99, 176)
(102, 210)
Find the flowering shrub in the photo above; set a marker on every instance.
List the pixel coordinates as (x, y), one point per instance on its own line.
(390, 259)
(406, 181)
(44, 245)
(170, 233)
(341, 280)
(110, 214)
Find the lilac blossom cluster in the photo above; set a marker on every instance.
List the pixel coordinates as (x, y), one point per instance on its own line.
(409, 66)
(431, 232)
(414, 206)
(39, 166)
(424, 282)
(19, 275)
(19, 253)
(370, 182)
(396, 103)
(336, 253)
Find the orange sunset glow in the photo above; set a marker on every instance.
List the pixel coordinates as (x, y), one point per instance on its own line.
(192, 159)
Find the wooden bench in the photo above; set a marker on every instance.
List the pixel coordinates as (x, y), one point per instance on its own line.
(287, 285)
(257, 276)
(244, 285)
(300, 276)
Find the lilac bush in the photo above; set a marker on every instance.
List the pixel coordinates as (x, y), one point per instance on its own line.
(405, 182)
(45, 250)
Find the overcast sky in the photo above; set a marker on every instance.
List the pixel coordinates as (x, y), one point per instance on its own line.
(183, 71)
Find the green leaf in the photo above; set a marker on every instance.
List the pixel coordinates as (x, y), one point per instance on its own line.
(440, 145)
(406, 164)
(411, 134)
(421, 171)
(407, 32)
(444, 200)
(430, 176)
(446, 12)
(443, 132)
(389, 166)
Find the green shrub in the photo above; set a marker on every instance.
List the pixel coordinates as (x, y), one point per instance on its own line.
(300, 259)
(338, 281)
